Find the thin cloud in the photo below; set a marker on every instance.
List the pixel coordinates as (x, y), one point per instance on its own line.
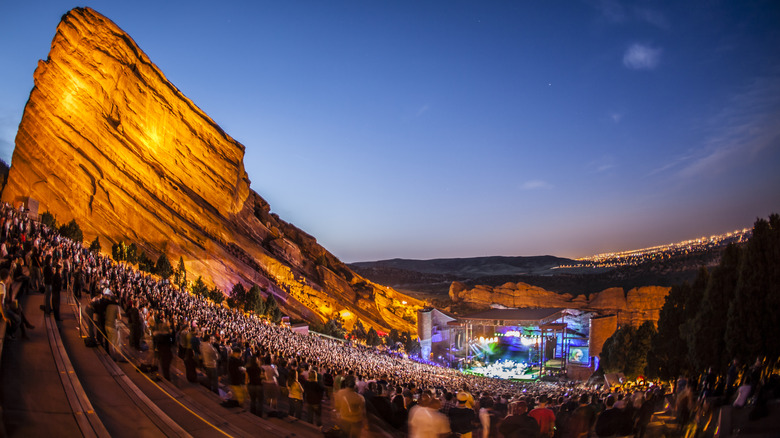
(653, 17)
(536, 184)
(422, 110)
(676, 162)
(602, 165)
(737, 134)
(642, 57)
(612, 10)
(615, 117)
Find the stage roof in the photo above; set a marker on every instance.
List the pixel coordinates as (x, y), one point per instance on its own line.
(529, 315)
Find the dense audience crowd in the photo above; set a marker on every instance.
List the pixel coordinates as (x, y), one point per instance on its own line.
(270, 369)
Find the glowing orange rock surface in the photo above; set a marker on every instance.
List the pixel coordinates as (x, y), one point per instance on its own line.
(106, 139)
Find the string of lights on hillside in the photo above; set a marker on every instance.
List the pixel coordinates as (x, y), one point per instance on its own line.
(661, 252)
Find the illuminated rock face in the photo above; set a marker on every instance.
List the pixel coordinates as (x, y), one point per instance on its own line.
(635, 307)
(107, 140)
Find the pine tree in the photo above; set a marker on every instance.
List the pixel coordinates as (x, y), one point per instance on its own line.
(181, 272)
(752, 318)
(49, 220)
(116, 251)
(706, 338)
(255, 301)
(95, 245)
(615, 353)
(636, 362)
(199, 288)
(359, 331)
(145, 264)
(216, 295)
(692, 303)
(163, 267)
(132, 254)
(372, 337)
(272, 309)
(668, 352)
(237, 296)
(72, 231)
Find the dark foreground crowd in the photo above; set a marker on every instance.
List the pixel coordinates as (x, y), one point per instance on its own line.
(271, 370)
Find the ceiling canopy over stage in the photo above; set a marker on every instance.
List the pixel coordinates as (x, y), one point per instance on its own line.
(512, 317)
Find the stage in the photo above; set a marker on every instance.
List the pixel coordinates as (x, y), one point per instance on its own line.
(506, 370)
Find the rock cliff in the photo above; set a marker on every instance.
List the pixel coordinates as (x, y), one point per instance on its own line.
(106, 139)
(635, 307)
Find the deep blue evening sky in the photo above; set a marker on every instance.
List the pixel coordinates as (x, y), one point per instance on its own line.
(427, 129)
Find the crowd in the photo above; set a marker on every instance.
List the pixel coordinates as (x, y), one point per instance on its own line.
(273, 371)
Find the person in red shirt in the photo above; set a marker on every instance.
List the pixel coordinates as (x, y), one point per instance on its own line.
(544, 416)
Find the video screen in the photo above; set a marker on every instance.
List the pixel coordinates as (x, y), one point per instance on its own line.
(579, 355)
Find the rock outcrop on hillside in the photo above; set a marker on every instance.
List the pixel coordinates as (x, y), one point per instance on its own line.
(106, 139)
(635, 307)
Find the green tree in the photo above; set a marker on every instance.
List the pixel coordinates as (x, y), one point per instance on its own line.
(254, 300)
(706, 338)
(359, 331)
(132, 254)
(72, 231)
(163, 267)
(49, 220)
(616, 352)
(334, 328)
(181, 273)
(216, 295)
(636, 363)
(392, 338)
(145, 263)
(372, 337)
(237, 296)
(272, 310)
(413, 347)
(119, 251)
(668, 352)
(199, 288)
(95, 245)
(753, 318)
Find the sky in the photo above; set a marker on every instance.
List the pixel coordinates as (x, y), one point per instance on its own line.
(433, 129)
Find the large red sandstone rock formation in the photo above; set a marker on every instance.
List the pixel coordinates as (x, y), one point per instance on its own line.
(107, 140)
(638, 305)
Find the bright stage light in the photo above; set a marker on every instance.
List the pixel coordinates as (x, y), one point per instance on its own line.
(526, 341)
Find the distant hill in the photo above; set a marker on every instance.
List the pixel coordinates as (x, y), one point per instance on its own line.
(473, 266)
(432, 278)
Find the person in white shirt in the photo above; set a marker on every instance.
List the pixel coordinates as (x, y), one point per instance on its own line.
(425, 420)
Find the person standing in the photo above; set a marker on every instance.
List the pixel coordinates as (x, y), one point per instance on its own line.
(295, 394)
(350, 408)
(136, 325)
(10, 317)
(113, 315)
(518, 424)
(312, 395)
(209, 356)
(237, 378)
(462, 418)
(425, 420)
(48, 279)
(56, 289)
(613, 421)
(163, 340)
(270, 385)
(582, 419)
(544, 416)
(254, 374)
